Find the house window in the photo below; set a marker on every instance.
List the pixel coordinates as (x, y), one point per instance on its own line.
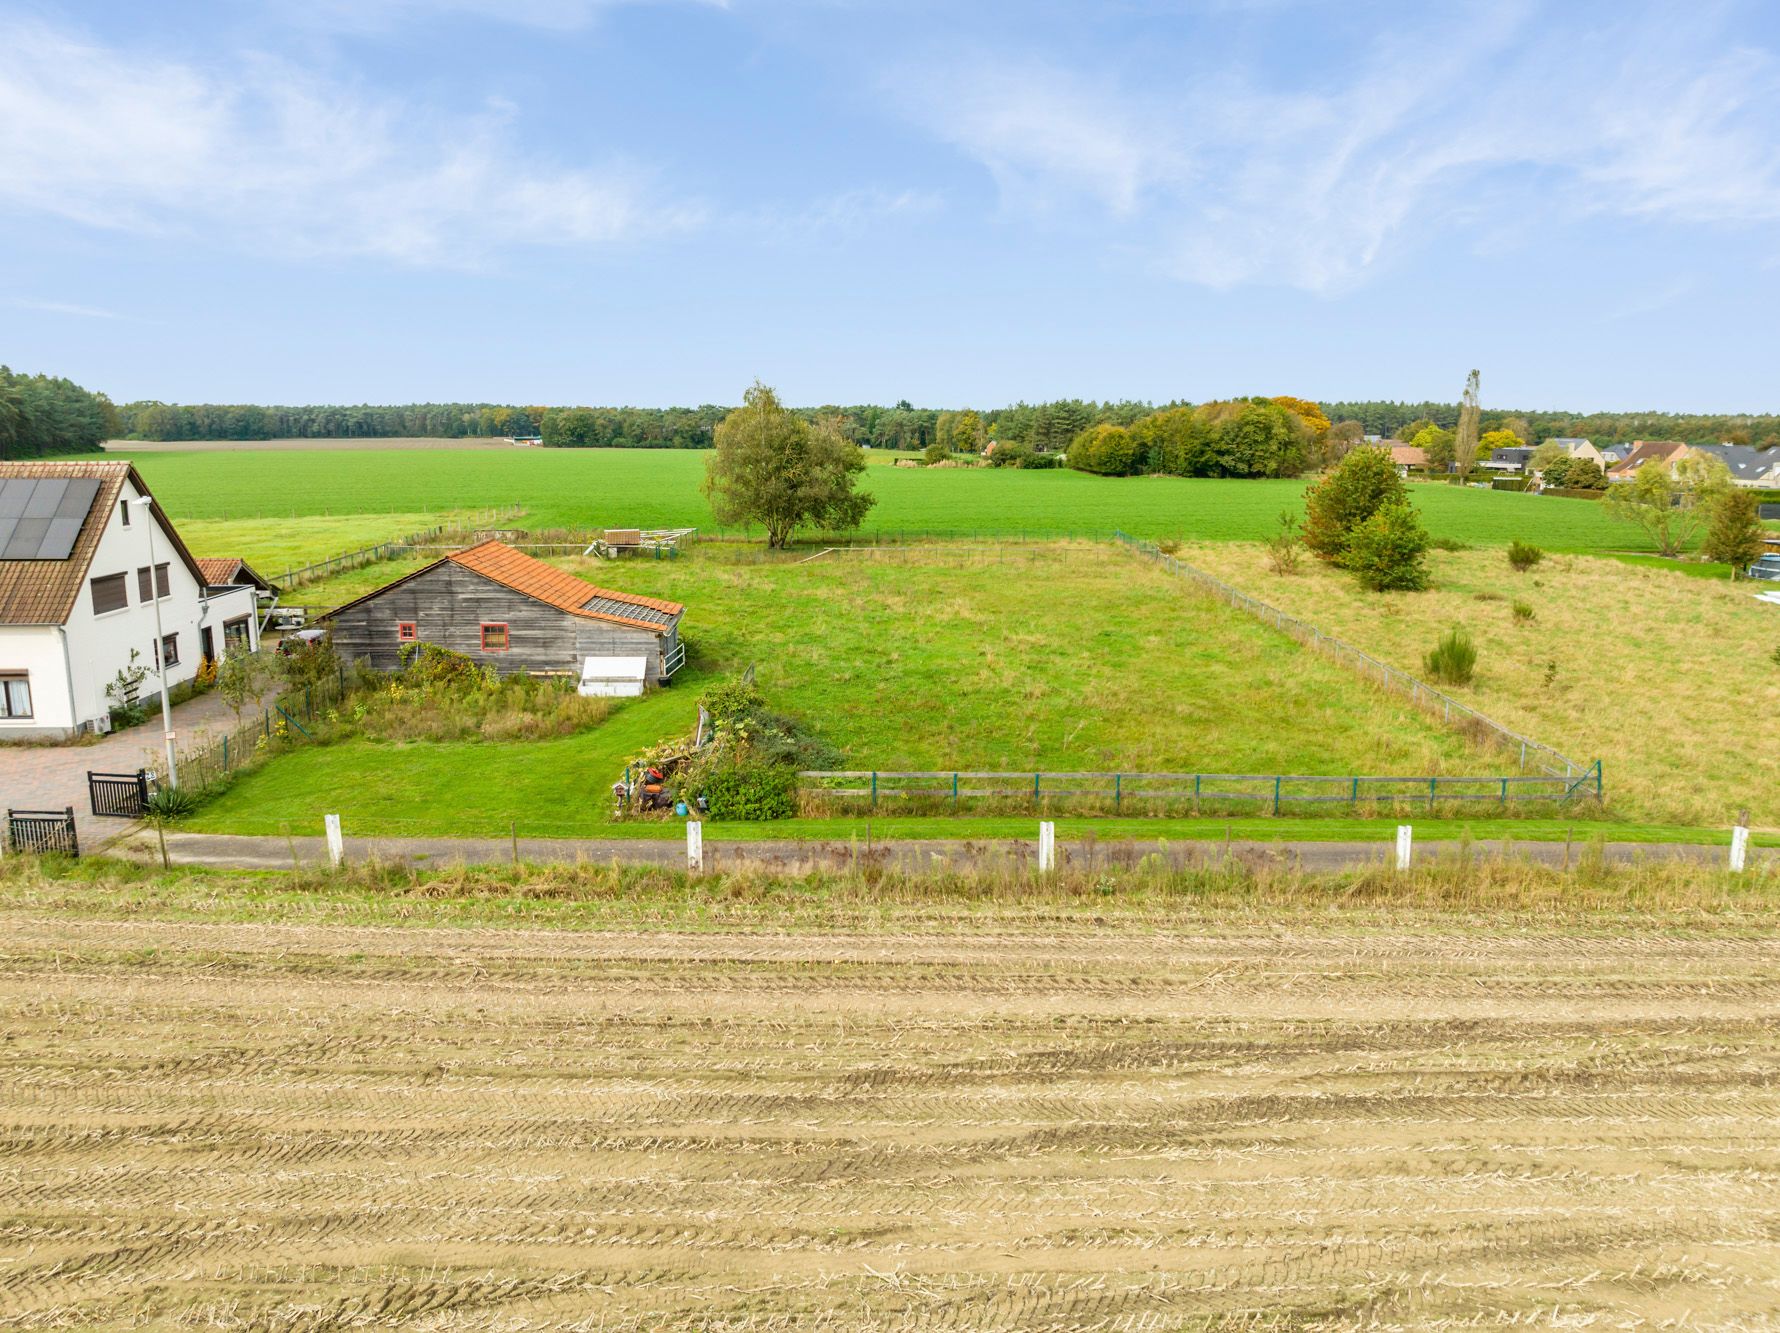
(494, 638)
(15, 695)
(407, 632)
(158, 585)
(123, 510)
(236, 634)
(169, 654)
(111, 592)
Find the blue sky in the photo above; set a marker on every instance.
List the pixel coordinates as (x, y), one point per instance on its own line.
(595, 201)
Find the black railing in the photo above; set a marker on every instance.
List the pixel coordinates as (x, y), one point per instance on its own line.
(119, 795)
(35, 832)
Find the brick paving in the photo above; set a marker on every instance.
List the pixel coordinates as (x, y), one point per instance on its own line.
(52, 777)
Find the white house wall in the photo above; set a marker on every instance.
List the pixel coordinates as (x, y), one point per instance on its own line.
(37, 650)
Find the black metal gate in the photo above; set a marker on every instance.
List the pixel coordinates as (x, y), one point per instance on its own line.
(38, 831)
(122, 794)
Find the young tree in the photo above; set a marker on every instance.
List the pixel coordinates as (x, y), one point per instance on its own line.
(1388, 552)
(967, 432)
(1670, 502)
(1543, 457)
(1360, 485)
(1735, 534)
(773, 468)
(239, 679)
(1492, 440)
(1464, 445)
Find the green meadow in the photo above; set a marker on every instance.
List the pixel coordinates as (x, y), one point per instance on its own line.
(660, 488)
(1055, 657)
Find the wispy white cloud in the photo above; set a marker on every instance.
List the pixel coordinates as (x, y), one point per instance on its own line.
(369, 15)
(277, 159)
(1224, 179)
(64, 308)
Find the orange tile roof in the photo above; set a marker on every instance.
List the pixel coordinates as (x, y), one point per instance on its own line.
(524, 574)
(218, 570)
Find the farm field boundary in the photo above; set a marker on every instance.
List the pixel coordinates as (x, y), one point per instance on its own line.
(1450, 710)
(391, 550)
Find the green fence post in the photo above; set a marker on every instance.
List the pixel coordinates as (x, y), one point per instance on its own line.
(1504, 791)
(1118, 791)
(1597, 779)
(309, 702)
(1276, 782)
(266, 722)
(225, 754)
(1035, 796)
(1355, 798)
(874, 789)
(1432, 782)
(954, 791)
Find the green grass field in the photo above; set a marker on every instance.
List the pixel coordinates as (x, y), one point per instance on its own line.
(637, 487)
(272, 548)
(1060, 657)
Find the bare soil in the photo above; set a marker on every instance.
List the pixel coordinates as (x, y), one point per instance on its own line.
(1423, 1123)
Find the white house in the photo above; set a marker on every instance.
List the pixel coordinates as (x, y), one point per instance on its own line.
(78, 589)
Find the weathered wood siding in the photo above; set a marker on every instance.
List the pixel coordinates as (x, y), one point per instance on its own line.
(449, 605)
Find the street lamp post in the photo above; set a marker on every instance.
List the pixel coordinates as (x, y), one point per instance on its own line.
(154, 589)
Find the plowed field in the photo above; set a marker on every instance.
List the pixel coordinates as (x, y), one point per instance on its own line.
(314, 1127)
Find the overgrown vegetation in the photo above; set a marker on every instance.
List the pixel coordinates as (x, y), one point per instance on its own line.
(439, 695)
(1523, 556)
(1453, 660)
(747, 766)
(1670, 503)
(1735, 535)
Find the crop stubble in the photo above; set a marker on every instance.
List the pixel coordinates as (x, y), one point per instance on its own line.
(322, 1127)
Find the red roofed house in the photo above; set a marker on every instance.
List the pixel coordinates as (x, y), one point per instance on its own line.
(1648, 451)
(501, 607)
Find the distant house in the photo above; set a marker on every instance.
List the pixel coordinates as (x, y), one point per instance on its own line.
(1509, 462)
(1647, 451)
(1405, 456)
(501, 607)
(79, 589)
(1754, 468)
(1578, 447)
(232, 571)
(1614, 454)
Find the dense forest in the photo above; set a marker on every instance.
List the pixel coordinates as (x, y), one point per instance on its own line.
(41, 414)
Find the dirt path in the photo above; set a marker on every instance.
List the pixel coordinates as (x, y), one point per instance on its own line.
(319, 1127)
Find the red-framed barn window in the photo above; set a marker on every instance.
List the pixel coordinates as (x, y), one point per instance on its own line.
(494, 638)
(407, 631)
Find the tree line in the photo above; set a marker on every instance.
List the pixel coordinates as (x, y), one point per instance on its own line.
(1401, 421)
(44, 414)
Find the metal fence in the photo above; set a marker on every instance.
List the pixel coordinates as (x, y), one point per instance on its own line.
(1531, 752)
(289, 720)
(34, 832)
(118, 795)
(1142, 790)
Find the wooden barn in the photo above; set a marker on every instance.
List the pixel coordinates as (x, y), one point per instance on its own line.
(500, 606)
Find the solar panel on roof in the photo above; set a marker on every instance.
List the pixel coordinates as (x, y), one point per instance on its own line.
(41, 518)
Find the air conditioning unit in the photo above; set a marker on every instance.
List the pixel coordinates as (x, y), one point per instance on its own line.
(102, 724)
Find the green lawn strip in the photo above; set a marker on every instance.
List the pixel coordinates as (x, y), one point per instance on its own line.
(583, 488)
(274, 548)
(1699, 569)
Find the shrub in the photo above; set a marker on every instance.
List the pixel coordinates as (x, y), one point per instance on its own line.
(1010, 453)
(1110, 450)
(1734, 535)
(1388, 552)
(935, 453)
(1523, 610)
(1361, 484)
(732, 701)
(740, 785)
(1454, 659)
(166, 804)
(1448, 544)
(1284, 545)
(1522, 556)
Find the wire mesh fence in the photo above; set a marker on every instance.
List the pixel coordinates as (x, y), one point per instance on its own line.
(292, 718)
(1531, 753)
(370, 555)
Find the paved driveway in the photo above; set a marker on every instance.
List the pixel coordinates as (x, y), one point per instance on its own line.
(50, 777)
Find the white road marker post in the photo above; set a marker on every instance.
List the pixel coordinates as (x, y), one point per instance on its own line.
(1047, 845)
(336, 843)
(695, 845)
(1739, 848)
(1405, 846)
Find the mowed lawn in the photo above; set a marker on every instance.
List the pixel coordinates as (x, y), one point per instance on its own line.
(641, 487)
(1057, 657)
(1671, 681)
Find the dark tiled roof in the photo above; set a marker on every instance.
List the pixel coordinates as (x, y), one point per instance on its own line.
(42, 592)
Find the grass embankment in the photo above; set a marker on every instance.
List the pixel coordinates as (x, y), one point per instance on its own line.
(650, 488)
(1054, 658)
(1655, 894)
(1669, 681)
